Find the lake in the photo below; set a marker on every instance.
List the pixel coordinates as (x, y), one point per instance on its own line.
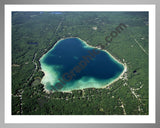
(72, 64)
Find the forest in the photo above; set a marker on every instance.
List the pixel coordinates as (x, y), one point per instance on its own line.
(34, 33)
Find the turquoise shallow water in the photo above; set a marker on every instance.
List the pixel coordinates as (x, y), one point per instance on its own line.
(72, 64)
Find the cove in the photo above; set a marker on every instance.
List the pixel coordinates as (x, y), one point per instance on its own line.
(72, 64)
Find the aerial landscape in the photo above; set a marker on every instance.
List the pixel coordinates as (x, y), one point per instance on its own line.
(80, 63)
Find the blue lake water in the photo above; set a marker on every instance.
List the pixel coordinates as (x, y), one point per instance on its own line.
(56, 13)
(72, 64)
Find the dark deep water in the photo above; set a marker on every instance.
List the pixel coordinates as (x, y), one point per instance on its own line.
(72, 64)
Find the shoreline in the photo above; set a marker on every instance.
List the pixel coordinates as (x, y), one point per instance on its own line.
(118, 61)
(103, 87)
(50, 49)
